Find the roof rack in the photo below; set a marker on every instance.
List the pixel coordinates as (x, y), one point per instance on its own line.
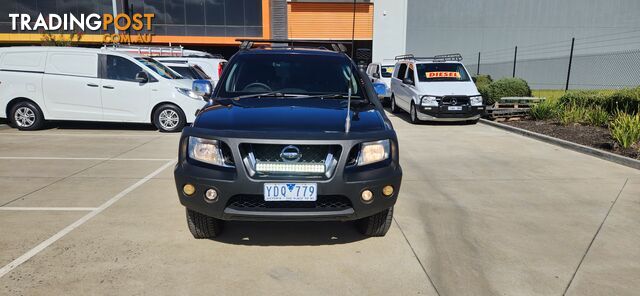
(163, 51)
(456, 57)
(246, 44)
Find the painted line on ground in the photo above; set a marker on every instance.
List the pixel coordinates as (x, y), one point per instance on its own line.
(46, 209)
(81, 158)
(39, 134)
(43, 245)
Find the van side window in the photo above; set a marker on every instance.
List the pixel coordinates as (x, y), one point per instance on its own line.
(119, 68)
(411, 75)
(401, 71)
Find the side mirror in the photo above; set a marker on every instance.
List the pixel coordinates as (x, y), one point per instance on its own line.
(407, 81)
(202, 88)
(142, 77)
(376, 75)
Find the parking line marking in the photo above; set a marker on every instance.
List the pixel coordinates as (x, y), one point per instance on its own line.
(80, 158)
(81, 135)
(43, 245)
(46, 209)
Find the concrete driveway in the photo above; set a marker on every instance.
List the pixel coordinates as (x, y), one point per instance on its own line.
(88, 210)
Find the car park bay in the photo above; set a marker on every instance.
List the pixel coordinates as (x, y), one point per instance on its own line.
(481, 211)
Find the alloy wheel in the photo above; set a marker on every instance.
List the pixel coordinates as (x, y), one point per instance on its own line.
(169, 119)
(24, 117)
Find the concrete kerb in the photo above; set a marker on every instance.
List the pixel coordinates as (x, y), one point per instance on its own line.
(612, 157)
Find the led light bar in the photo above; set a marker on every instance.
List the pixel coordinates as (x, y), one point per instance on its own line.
(289, 167)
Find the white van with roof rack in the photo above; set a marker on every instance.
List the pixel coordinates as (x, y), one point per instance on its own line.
(435, 88)
(211, 64)
(87, 84)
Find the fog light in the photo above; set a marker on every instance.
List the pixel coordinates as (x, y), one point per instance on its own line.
(366, 196)
(188, 189)
(211, 194)
(387, 190)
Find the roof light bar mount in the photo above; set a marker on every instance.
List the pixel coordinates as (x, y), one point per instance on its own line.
(456, 57)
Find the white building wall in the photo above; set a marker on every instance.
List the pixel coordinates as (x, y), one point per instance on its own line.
(389, 29)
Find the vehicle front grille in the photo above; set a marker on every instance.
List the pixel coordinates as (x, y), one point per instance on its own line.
(307, 160)
(455, 101)
(257, 203)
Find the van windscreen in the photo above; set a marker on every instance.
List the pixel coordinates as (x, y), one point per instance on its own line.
(159, 68)
(437, 72)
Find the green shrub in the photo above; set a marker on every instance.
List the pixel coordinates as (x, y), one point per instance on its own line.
(572, 114)
(625, 129)
(546, 109)
(484, 92)
(627, 100)
(483, 80)
(507, 87)
(583, 98)
(597, 116)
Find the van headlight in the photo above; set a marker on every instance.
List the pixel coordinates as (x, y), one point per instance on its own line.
(189, 93)
(371, 152)
(429, 101)
(476, 101)
(205, 150)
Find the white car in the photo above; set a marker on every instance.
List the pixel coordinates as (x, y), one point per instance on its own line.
(86, 84)
(435, 89)
(212, 66)
(381, 73)
(188, 71)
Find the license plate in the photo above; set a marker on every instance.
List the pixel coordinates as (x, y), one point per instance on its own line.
(290, 191)
(455, 108)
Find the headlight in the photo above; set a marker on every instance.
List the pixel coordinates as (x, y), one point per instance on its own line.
(205, 150)
(189, 93)
(429, 101)
(371, 152)
(476, 101)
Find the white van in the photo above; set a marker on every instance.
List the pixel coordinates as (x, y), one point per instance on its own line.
(381, 73)
(85, 84)
(211, 64)
(435, 89)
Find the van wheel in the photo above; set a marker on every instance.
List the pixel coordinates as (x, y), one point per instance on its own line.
(414, 114)
(202, 226)
(169, 118)
(26, 116)
(376, 225)
(394, 107)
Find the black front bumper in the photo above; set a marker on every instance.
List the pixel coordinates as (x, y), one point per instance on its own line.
(240, 196)
(442, 112)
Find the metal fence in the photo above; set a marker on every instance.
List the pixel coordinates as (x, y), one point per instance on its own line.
(597, 62)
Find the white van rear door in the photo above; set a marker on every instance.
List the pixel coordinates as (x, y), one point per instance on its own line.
(71, 86)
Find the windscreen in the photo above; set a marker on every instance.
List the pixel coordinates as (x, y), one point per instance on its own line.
(159, 68)
(183, 71)
(387, 71)
(433, 72)
(290, 74)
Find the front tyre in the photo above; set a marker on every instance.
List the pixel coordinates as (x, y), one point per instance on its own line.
(202, 226)
(394, 107)
(414, 114)
(169, 118)
(376, 225)
(26, 116)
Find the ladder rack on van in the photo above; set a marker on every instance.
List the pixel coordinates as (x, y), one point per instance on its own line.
(455, 57)
(163, 51)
